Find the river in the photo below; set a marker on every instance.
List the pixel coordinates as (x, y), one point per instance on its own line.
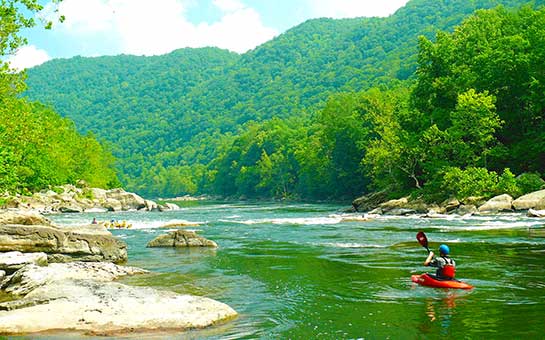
(298, 271)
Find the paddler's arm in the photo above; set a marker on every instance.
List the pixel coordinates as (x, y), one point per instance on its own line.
(428, 260)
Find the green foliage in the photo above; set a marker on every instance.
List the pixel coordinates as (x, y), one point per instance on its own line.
(170, 116)
(469, 182)
(326, 110)
(499, 52)
(529, 182)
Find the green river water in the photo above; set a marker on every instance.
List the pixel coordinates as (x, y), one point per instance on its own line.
(299, 271)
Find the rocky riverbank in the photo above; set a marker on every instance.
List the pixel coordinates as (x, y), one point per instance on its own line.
(62, 279)
(72, 199)
(377, 203)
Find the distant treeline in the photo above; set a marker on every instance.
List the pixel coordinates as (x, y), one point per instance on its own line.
(38, 148)
(329, 110)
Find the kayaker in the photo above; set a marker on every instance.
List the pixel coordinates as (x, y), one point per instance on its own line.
(446, 267)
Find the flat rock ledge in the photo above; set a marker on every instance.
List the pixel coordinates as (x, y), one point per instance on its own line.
(82, 243)
(181, 238)
(80, 297)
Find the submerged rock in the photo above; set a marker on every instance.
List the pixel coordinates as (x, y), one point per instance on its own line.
(181, 238)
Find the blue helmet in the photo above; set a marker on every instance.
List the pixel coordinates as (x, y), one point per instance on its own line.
(444, 249)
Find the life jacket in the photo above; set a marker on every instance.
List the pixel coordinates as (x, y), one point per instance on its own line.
(448, 270)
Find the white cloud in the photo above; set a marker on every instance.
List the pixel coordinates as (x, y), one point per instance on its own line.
(27, 56)
(158, 27)
(354, 8)
(229, 6)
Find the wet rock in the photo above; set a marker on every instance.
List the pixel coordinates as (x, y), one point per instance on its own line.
(536, 213)
(181, 238)
(80, 297)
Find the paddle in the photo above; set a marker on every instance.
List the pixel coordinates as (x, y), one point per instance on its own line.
(423, 240)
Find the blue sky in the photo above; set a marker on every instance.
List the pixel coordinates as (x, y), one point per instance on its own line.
(145, 27)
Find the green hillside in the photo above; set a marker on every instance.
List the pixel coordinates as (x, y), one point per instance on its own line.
(167, 117)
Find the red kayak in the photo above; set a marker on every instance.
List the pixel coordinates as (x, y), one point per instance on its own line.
(427, 280)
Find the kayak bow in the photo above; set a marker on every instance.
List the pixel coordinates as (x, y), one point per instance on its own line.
(427, 280)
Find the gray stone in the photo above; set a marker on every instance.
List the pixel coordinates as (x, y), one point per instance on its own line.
(533, 200)
(498, 204)
(23, 217)
(466, 209)
(85, 243)
(79, 297)
(181, 238)
(15, 260)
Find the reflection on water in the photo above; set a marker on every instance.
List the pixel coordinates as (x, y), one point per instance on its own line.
(304, 271)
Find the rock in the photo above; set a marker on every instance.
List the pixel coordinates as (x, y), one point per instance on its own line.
(536, 213)
(395, 204)
(370, 201)
(401, 212)
(451, 204)
(128, 200)
(466, 209)
(433, 214)
(179, 224)
(15, 260)
(23, 217)
(69, 208)
(181, 238)
(32, 276)
(112, 205)
(474, 200)
(80, 297)
(499, 203)
(86, 243)
(172, 206)
(533, 200)
(151, 205)
(376, 211)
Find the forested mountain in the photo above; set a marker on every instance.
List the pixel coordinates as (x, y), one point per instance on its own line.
(178, 122)
(38, 148)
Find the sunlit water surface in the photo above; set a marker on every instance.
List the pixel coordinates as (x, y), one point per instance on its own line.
(301, 271)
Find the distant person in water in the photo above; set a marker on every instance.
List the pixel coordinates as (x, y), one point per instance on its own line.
(94, 221)
(446, 267)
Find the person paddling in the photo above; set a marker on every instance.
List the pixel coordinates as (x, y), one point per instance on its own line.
(446, 267)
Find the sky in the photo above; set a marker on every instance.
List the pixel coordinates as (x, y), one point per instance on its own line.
(145, 27)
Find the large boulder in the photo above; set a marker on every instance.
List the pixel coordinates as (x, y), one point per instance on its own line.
(79, 297)
(497, 204)
(128, 200)
(85, 243)
(33, 276)
(181, 238)
(23, 217)
(533, 200)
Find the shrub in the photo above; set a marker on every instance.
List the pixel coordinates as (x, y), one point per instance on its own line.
(529, 182)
